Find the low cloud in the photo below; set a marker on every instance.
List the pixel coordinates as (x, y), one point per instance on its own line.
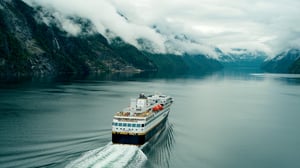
(65, 23)
(269, 26)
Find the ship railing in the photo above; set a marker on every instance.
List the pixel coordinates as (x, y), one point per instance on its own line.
(135, 119)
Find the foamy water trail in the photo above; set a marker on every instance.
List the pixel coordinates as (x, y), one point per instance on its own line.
(110, 155)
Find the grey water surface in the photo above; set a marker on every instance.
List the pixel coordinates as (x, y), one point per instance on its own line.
(219, 120)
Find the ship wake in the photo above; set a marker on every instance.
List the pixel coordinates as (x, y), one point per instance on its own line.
(111, 155)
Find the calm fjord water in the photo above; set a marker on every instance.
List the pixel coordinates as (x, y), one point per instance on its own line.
(221, 120)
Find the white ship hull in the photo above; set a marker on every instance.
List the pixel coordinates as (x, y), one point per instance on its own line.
(139, 128)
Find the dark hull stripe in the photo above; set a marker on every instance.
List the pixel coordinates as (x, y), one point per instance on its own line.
(138, 139)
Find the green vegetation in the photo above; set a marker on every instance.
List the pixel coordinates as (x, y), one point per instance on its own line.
(168, 63)
(201, 63)
(132, 55)
(295, 68)
(285, 62)
(29, 46)
(11, 51)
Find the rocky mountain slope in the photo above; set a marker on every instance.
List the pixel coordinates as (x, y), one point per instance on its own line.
(31, 45)
(295, 68)
(242, 58)
(285, 62)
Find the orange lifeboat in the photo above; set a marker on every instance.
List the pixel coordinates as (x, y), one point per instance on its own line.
(157, 107)
(160, 107)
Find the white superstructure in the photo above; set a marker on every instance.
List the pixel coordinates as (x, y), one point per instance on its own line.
(144, 117)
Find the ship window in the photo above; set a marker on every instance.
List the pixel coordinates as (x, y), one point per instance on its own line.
(143, 125)
(120, 124)
(138, 125)
(129, 125)
(133, 125)
(124, 124)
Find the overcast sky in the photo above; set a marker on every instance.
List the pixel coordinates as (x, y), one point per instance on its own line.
(270, 26)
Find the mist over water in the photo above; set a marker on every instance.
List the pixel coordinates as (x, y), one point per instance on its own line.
(224, 119)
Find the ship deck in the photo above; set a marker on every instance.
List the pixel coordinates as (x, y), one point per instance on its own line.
(135, 114)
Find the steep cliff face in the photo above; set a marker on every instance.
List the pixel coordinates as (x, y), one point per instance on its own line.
(285, 62)
(243, 58)
(33, 41)
(295, 68)
(30, 46)
(19, 51)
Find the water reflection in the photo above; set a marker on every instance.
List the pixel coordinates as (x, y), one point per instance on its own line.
(228, 73)
(160, 148)
(16, 81)
(286, 78)
(243, 118)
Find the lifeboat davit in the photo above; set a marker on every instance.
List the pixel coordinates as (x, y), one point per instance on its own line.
(157, 107)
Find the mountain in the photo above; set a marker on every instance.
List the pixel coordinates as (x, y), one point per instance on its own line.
(167, 63)
(28, 45)
(285, 62)
(35, 41)
(295, 68)
(242, 58)
(202, 63)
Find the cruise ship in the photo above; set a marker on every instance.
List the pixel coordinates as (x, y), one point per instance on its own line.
(144, 118)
